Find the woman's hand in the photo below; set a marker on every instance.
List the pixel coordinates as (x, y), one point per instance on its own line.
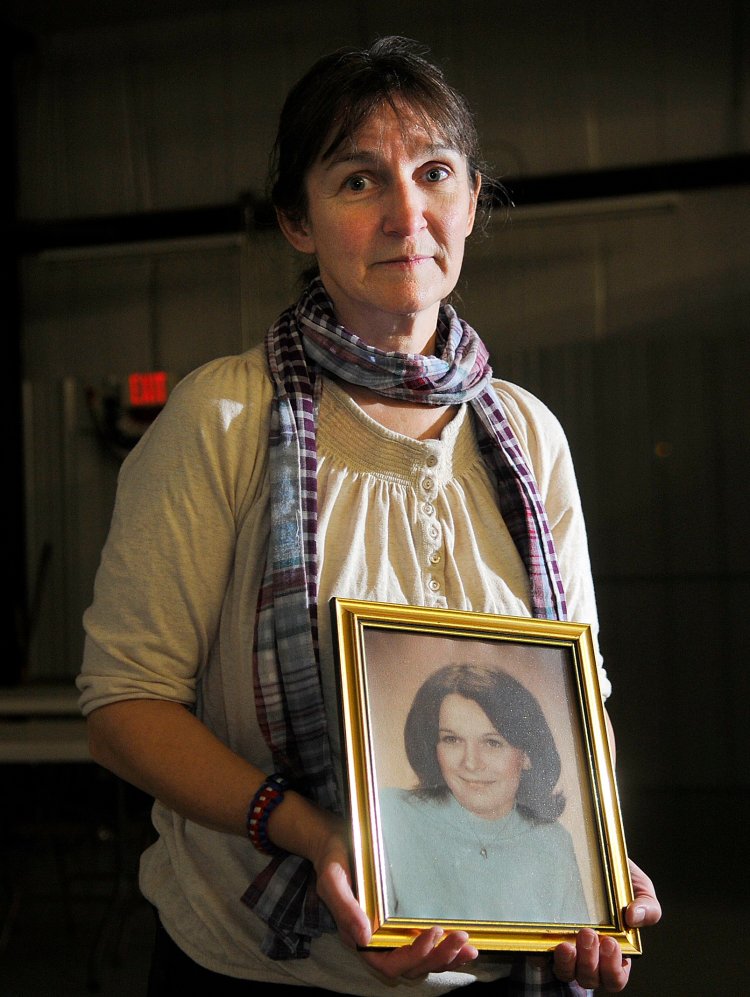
(598, 962)
(432, 951)
(330, 859)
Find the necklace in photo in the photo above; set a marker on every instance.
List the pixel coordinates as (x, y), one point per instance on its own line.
(486, 844)
(465, 821)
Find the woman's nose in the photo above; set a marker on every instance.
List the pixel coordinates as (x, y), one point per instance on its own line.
(472, 756)
(404, 210)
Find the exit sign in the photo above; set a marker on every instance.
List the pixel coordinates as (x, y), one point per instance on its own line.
(147, 390)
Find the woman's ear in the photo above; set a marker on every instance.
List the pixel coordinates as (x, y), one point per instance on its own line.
(474, 194)
(526, 763)
(296, 231)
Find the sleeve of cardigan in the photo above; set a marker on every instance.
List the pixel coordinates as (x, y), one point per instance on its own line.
(164, 569)
(543, 440)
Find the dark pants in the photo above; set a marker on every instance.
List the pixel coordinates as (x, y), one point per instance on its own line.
(174, 974)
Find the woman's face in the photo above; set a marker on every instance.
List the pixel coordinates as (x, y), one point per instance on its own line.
(387, 218)
(478, 765)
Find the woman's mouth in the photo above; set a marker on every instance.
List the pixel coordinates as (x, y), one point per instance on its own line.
(406, 262)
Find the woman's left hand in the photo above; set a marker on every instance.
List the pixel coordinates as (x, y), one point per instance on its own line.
(598, 962)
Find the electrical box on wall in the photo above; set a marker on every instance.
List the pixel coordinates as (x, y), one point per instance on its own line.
(124, 407)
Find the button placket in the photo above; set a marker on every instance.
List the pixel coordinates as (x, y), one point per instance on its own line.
(428, 496)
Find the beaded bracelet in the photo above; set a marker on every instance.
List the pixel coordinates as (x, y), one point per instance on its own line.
(265, 801)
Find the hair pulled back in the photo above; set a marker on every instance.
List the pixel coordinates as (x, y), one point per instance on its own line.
(338, 94)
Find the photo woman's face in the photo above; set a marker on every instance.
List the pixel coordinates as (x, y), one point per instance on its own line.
(478, 765)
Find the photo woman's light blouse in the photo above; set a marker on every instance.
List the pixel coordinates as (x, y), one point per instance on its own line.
(444, 861)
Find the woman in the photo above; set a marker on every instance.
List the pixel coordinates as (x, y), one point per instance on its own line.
(487, 767)
(340, 458)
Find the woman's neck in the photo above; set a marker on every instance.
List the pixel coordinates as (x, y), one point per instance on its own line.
(389, 331)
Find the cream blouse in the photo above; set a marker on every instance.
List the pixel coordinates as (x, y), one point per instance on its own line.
(173, 613)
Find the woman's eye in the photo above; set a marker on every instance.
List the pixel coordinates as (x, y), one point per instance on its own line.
(436, 173)
(448, 739)
(356, 183)
(494, 742)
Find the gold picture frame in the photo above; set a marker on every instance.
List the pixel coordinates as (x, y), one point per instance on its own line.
(421, 786)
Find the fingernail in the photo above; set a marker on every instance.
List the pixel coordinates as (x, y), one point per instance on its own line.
(586, 942)
(608, 946)
(638, 916)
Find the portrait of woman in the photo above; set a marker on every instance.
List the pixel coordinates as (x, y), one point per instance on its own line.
(478, 837)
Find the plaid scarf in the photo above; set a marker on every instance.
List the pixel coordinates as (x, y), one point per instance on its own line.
(286, 667)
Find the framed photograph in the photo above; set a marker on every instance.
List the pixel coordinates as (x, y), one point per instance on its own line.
(479, 777)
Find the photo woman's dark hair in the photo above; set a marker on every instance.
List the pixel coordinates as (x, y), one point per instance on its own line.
(514, 713)
(342, 90)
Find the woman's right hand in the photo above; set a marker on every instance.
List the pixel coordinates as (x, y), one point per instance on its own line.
(432, 951)
(146, 741)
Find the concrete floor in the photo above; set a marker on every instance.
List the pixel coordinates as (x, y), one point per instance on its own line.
(97, 939)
